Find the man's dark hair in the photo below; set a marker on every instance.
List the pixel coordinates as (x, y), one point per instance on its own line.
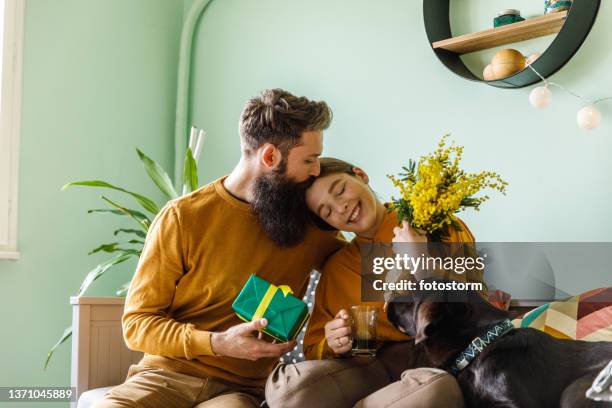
(280, 118)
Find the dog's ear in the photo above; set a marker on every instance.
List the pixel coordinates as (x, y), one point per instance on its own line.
(426, 320)
(432, 316)
(399, 314)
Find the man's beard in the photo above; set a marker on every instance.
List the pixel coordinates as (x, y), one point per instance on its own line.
(280, 206)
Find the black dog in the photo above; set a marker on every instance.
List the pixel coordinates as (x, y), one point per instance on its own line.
(506, 367)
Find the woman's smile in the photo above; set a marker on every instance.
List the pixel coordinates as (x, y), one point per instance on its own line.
(354, 216)
(346, 202)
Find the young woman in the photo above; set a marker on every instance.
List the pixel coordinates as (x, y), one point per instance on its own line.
(340, 198)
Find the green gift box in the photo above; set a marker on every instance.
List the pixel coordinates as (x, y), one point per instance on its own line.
(285, 313)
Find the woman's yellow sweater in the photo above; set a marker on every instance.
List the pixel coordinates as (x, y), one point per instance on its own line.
(340, 288)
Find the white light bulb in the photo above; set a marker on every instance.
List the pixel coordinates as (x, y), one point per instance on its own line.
(588, 117)
(540, 97)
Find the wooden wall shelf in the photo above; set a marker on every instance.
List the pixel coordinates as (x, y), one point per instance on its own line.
(573, 28)
(511, 33)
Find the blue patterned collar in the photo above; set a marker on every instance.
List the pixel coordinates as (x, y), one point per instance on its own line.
(481, 342)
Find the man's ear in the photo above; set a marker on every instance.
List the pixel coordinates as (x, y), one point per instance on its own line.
(361, 174)
(270, 156)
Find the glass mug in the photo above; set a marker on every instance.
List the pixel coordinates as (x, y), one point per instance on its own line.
(363, 330)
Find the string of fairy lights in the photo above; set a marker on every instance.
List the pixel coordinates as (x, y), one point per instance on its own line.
(588, 117)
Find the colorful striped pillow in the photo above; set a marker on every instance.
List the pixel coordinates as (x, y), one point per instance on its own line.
(583, 317)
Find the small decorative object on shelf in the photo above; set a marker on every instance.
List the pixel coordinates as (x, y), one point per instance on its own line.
(531, 58)
(488, 73)
(506, 17)
(504, 63)
(554, 6)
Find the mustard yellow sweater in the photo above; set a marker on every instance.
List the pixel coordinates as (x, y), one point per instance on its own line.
(199, 252)
(340, 288)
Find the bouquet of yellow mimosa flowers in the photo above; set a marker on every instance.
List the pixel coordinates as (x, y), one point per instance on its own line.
(435, 188)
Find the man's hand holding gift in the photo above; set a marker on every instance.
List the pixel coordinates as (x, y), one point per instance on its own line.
(245, 341)
(266, 308)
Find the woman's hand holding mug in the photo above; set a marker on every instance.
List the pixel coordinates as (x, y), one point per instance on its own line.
(338, 333)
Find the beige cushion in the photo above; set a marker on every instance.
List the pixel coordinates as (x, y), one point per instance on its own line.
(88, 398)
(418, 388)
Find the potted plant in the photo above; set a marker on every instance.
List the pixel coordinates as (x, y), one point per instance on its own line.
(135, 237)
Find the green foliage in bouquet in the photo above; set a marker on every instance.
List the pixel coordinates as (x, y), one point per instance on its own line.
(435, 188)
(132, 247)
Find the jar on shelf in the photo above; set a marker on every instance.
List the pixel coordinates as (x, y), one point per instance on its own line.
(554, 6)
(507, 16)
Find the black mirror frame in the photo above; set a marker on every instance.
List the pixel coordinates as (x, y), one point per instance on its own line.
(572, 35)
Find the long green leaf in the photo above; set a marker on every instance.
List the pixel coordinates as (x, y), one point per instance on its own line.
(130, 231)
(136, 252)
(99, 270)
(137, 214)
(112, 247)
(139, 217)
(158, 175)
(136, 241)
(67, 334)
(190, 172)
(123, 289)
(105, 210)
(146, 203)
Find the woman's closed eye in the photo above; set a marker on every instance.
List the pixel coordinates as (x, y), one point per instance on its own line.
(341, 189)
(325, 212)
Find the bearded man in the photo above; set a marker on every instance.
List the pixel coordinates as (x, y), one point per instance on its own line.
(200, 250)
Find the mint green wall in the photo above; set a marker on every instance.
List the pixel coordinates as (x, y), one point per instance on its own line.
(392, 100)
(99, 80)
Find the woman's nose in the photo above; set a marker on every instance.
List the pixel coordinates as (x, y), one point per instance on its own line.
(341, 206)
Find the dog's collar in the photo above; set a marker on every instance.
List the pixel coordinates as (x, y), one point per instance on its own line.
(481, 342)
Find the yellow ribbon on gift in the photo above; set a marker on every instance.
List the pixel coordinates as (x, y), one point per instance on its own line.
(267, 299)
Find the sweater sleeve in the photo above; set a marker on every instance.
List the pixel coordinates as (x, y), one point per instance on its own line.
(315, 343)
(147, 327)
